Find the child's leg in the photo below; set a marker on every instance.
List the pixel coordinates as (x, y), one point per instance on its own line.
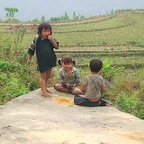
(78, 100)
(76, 90)
(82, 101)
(43, 85)
(59, 87)
(48, 73)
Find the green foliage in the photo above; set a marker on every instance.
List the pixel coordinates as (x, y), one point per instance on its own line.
(66, 17)
(4, 66)
(15, 80)
(19, 37)
(36, 20)
(117, 39)
(75, 16)
(131, 104)
(43, 19)
(127, 90)
(10, 12)
(12, 50)
(12, 87)
(61, 18)
(108, 71)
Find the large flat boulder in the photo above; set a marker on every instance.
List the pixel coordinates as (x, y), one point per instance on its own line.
(33, 119)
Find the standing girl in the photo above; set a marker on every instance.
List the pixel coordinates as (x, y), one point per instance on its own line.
(43, 45)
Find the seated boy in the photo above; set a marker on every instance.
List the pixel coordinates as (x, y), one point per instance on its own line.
(92, 87)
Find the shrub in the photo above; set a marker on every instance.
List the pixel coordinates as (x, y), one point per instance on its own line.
(12, 87)
(108, 71)
(130, 103)
(4, 66)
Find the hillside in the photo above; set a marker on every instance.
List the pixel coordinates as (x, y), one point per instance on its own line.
(108, 32)
(119, 28)
(115, 38)
(58, 8)
(118, 34)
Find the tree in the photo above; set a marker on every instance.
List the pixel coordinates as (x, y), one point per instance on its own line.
(66, 17)
(35, 20)
(42, 19)
(75, 16)
(10, 12)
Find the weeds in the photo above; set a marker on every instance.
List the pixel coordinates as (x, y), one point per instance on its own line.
(108, 71)
(127, 92)
(127, 85)
(130, 103)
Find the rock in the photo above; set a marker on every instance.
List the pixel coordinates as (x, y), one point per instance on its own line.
(33, 119)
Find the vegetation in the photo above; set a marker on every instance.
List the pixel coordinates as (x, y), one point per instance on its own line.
(10, 13)
(116, 38)
(66, 17)
(10, 16)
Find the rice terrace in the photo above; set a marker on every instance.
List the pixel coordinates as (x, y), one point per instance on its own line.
(116, 38)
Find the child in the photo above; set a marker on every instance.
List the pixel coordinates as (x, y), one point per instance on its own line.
(60, 59)
(92, 87)
(43, 45)
(68, 77)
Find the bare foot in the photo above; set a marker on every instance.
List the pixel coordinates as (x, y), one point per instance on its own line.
(48, 91)
(47, 95)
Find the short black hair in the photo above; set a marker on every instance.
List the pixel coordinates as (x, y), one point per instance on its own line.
(95, 65)
(59, 61)
(44, 25)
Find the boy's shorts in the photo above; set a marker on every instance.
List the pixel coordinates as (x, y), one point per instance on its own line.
(82, 101)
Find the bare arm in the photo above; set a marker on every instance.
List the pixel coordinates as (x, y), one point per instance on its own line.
(83, 88)
(102, 89)
(59, 77)
(55, 44)
(29, 59)
(77, 77)
(31, 50)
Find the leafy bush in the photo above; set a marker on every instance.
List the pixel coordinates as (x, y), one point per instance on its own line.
(108, 71)
(15, 80)
(12, 87)
(130, 103)
(4, 66)
(127, 92)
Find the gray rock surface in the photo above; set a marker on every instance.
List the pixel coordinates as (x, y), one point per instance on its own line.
(33, 119)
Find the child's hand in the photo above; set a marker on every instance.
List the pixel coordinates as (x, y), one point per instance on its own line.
(28, 61)
(53, 41)
(50, 37)
(74, 85)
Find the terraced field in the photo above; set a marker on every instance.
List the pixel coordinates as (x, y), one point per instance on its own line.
(118, 36)
(117, 39)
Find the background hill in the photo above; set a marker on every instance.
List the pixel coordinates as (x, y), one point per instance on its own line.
(115, 38)
(31, 9)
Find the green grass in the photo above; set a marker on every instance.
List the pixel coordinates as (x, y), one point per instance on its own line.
(122, 28)
(115, 38)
